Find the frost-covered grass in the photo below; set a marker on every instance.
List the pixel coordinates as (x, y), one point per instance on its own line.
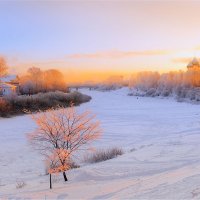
(103, 155)
(165, 163)
(14, 105)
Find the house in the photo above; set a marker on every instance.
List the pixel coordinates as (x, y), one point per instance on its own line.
(9, 85)
(7, 89)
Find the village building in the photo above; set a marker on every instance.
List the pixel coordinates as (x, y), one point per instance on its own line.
(7, 89)
(9, 85)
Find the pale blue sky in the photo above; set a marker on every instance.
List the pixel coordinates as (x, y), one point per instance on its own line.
(48, 34)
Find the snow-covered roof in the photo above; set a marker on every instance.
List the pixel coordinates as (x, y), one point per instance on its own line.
(7, 85)
(8, 78)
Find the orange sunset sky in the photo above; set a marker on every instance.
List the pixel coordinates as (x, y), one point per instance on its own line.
(91, 40)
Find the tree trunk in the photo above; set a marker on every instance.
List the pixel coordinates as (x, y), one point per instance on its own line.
(50, 181)
(65, 177)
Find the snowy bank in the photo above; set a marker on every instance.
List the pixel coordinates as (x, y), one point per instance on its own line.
(160, 136)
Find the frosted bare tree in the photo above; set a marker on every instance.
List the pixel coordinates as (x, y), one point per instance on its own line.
(58, 161)
(37, 80)
(61, 133)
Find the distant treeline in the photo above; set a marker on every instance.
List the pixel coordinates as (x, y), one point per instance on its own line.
(179, 84)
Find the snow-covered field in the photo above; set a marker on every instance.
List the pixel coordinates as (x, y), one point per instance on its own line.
(161, 138)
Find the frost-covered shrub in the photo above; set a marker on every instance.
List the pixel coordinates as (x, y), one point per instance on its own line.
(41, 101)
(133, 149)
(145, 80)
(106, 87)
(5, 108)
(190, 94)
(180, 84)
(103, 155)
(73, 165)
(151, 92)
(197, 97)
(47, 100)
(20, 184)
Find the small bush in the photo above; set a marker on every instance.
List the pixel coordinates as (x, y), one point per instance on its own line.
(5, 108)
(133, 149)
(74, 165)
(20, 184)
(151, 92)
(103, 155)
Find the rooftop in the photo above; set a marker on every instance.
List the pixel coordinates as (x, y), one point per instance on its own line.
(6, 85)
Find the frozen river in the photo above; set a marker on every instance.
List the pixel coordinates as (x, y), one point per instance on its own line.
(164, 134)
